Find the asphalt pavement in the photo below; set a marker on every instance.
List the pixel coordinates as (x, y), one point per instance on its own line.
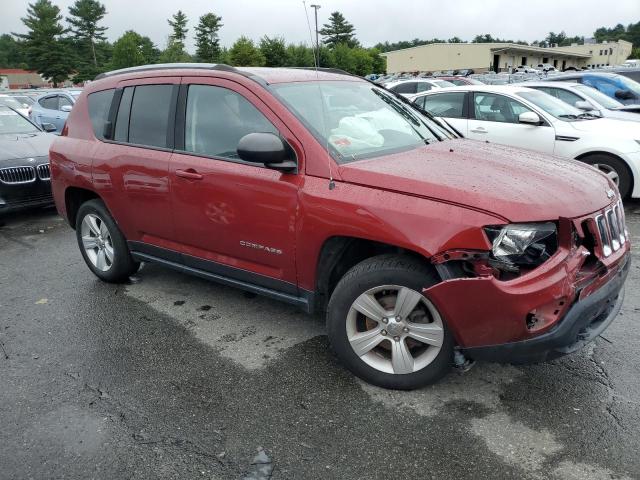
(170, 376)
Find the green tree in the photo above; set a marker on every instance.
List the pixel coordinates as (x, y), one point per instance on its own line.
(11, 52)
(274, 51)
(43, 46)
(84, 17)
(174, 53)
(245, 53)
(179, 25)
(132, 49)
(207, 41)
(343, 57)
(298, 56)
(338, 31)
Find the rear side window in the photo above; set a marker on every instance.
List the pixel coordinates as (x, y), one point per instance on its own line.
(445, 105)
(149, 117)
(143, 115)
(423, 87)
(217, 118)
(99, 104)
(50, 103)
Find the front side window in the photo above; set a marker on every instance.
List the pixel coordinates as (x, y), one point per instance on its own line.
(445, 104)
(149, 117)
(217, 118)
(99, 105)
(64, 101)
(491, 107)
(566, 96)
(598, 96)
(357, 120)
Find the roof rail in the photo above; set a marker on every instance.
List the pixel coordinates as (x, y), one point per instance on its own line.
(326, 70)
(165, 66)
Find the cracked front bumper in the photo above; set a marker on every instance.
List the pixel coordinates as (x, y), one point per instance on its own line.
(584, 322)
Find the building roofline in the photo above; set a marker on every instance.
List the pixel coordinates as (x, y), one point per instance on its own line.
(500, 45)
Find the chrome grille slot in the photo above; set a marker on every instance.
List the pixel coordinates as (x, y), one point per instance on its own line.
(16, 175)
(43, 171)
(611, 231)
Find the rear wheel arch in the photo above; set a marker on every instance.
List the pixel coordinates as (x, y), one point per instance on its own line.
(340, 253)
(626, 183)
(74, 197)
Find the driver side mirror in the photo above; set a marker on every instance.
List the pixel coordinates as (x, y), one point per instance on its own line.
(49, 127)
(268, 149)
(66, 108)
(584, 105)
(530, 118)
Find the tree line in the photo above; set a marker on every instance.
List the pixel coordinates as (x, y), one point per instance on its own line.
(75, 45)
(630, 33)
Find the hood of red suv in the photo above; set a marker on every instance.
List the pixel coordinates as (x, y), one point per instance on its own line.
(519, 185)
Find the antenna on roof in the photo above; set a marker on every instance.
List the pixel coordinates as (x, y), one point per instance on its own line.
(316, 61)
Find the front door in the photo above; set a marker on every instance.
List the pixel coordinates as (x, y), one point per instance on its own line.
(232, 218)
(495, 119)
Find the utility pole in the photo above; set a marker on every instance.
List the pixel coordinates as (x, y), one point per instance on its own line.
(316, 7)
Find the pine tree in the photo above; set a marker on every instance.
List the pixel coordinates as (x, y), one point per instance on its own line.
(338, 31)
(44, 48)
(207, 41)
(274, 51)
(84, 18)
(179, 25)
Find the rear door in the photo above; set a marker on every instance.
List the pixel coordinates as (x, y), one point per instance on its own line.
(232, 218)
(494, 118)
(131, 169)
(451, 106)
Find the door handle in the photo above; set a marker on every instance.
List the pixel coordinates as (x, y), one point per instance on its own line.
(478, 130)
(189, 173)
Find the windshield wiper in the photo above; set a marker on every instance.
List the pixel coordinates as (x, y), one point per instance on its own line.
(569, 115)
(588, 116)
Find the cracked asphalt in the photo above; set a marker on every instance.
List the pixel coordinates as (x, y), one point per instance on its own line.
(174, 377)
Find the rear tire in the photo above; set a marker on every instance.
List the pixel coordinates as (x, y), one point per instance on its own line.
(615, 168)
(102, 244)
(402, 342)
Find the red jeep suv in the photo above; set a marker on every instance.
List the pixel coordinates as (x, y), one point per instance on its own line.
(323, 190)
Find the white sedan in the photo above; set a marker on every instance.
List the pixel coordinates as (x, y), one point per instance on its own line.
(527, 118)
(417, 85)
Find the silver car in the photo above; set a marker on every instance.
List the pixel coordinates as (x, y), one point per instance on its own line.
(588, 99)
(54, 108)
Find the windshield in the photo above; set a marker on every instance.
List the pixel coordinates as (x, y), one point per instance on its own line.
(10, 102)
(358, 120)
(11, 122)
(553, 106)
(630, 85)
(598, 96)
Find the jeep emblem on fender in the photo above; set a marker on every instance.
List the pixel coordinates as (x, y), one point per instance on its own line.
(610, 193)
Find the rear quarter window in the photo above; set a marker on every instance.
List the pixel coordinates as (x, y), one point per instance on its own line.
(99, 105)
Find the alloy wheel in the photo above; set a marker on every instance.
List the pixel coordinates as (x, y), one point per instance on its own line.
(395, 329)
(97, 242)
(609, 171)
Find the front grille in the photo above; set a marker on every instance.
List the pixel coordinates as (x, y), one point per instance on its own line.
(43, 171)
(15, 175)
(611, 232)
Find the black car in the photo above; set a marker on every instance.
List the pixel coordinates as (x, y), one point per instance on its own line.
(24, 163)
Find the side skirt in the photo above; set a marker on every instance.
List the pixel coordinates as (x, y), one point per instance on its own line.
(305, 301)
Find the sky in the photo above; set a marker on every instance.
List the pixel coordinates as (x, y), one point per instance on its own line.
(375, 20)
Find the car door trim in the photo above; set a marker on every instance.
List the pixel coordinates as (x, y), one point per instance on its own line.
(224, 274)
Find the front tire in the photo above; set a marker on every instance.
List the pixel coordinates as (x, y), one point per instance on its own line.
(384, 330)
(614, 168)
(103, 246)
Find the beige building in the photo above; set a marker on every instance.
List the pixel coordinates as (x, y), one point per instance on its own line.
(500, 57)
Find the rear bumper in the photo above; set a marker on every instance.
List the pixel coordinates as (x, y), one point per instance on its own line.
(585, 320)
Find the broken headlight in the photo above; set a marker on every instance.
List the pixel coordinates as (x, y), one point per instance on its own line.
(522, 245)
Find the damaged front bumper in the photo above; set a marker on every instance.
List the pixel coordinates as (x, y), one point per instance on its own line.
(585, 320)
(551, 311)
